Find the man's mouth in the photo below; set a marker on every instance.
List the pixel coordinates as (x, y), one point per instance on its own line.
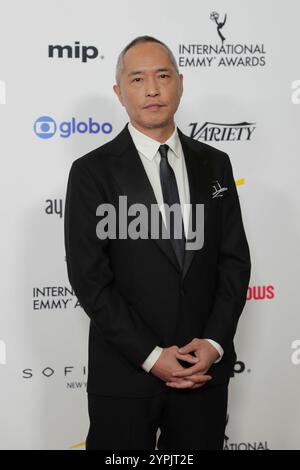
(153, 106)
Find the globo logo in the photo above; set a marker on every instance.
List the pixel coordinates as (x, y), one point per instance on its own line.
(46, 127)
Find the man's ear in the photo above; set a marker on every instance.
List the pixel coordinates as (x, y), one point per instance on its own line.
(117, 91)
(181, 84)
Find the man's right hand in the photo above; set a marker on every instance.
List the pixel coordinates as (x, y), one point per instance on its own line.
(168, 363)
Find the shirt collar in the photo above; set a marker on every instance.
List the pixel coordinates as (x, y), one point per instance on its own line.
(149, 147)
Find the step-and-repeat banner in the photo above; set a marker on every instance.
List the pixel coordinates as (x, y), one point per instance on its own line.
(240, 62)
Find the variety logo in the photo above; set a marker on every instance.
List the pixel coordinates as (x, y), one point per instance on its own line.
(295, 357)
(220, 132)
(295, 97)
(84, 53)
(260, 292)
(221, 54)
(261, 445)
(2, 352)
(2, 92)
(45, 127)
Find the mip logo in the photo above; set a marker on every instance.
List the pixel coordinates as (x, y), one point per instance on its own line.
(77, 52)
(45, 127)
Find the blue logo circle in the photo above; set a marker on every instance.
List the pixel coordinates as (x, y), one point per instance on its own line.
(45, 127)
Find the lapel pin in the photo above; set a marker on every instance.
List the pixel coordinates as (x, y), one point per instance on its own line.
(218, 190)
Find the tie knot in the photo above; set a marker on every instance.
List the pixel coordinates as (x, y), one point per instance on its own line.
(163, 150)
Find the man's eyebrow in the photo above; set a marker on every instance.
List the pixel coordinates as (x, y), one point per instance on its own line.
(138, 72)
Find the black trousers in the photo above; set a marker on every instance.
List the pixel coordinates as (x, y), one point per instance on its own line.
(187, 419)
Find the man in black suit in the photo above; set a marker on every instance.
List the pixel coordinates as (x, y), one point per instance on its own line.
(163, 311)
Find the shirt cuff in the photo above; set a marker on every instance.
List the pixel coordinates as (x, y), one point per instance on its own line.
(152, 358)
(217, 347)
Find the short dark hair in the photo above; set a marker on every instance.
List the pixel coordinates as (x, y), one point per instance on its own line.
(140, 40)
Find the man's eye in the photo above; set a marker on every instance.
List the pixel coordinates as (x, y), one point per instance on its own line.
(137, 79)
(163, 75)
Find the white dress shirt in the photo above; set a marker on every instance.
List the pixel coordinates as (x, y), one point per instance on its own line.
(148, 151)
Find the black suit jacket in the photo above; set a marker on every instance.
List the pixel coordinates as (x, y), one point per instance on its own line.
(134, 291)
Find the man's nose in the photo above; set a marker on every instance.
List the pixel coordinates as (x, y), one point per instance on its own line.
(152, 87)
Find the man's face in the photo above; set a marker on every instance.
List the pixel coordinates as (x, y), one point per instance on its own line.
(149, 88)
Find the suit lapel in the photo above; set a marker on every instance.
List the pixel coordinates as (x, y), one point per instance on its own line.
(133, 181)
(198, 171)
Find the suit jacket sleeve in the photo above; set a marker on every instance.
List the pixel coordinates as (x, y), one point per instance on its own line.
(233, 268)
(90, 273)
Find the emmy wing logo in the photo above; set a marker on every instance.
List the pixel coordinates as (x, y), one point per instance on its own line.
(214, 16)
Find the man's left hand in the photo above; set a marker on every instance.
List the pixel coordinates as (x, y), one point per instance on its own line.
(206, 355)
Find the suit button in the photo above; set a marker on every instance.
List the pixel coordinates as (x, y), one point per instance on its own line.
(182, 291)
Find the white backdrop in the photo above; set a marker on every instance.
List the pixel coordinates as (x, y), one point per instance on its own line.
(244, 97)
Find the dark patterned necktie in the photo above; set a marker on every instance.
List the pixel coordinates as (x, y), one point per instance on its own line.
(171, 196)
